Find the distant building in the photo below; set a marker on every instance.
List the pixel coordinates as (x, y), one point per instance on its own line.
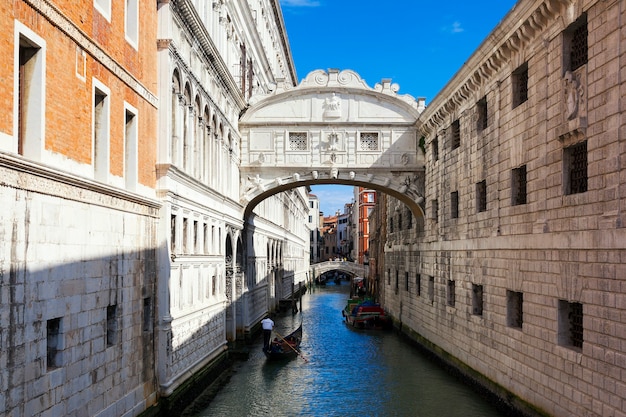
(365, 200)
(329, 238)
(344, 237)
(314, 227)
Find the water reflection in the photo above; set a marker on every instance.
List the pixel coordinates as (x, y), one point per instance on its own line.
(347, 372)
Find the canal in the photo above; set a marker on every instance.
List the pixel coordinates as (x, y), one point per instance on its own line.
(344, 372)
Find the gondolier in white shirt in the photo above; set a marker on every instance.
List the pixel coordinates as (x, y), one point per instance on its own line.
(268, 325)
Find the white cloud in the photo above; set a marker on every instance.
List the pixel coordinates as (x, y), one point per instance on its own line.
(299, 3)
(455, 27)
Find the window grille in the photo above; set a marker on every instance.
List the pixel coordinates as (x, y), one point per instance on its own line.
(435, 147)
(454, 204)
(477, 299)
(455, 134)
(578, 43)
(520, 85)
(435, 210)
(418, 284)
(518, 187)
(576, 324)
(431, 289)
(577, 157)
(369, 141)
(451, 296)
(298, 141)
(481, 108)
(514, 308)
(481, 196)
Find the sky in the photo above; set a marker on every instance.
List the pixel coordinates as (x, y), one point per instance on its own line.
(419, 44)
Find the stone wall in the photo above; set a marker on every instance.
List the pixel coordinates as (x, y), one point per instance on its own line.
(521, 262)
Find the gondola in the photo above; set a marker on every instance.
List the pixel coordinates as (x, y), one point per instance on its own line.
(285, 347)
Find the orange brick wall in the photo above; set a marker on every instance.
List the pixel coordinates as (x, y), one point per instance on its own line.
(69, 98)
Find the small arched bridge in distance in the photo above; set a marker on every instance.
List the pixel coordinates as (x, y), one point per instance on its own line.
(346, 266)
(332, 129)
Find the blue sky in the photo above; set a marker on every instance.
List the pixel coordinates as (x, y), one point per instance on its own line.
(419, 44)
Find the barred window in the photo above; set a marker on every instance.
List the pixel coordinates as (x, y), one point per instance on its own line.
(298, 141)
(518, 186)
(454, 205)
(570, 324)
(482, 121)
(575, 168)
(369, 141)
(575, 50)
(451, 299)
(520, 85)
(477, 299)
(435, 210)
(481, 196)
(514, 310)
(455, 134)
(435, 148)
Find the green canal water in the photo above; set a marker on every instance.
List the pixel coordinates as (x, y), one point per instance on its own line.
(344, 372)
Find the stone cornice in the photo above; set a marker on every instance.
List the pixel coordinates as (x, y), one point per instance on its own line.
(193, 23)
(280, 23)
(31, 176)
(520, 27)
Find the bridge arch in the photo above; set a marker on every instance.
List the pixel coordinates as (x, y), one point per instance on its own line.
(332, 129)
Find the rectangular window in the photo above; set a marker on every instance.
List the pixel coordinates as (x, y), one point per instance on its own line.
(482, 120)
(389, 277)
(130, 148)
(514, 316)
(101, 131)
(575, 168)
(30, 76)
(397, 286)
(520, 85)
(185, 235)
(53, 343)
(206, 235)
(575, 49)
(570, 324)
(518, 186)
(104, 7)
(112, 326)
(450, 296)
(173, 234)
(431, 289)
(477, 300)
(455, 134)
(418, 284)
(454, 204)
(196, 243)
(147, 314)
(406, 281)
(368, 141)
(481, 196)
(435, 148)
(132, 22)
(298, 141)
(435, 210)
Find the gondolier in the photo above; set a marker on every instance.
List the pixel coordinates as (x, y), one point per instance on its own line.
(268, 325)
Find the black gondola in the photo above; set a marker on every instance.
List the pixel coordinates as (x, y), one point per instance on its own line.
(285, 347)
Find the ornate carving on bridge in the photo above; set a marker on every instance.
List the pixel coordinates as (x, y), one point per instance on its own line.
(332, 107)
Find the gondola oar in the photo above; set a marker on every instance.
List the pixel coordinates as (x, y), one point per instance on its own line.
(293, 348)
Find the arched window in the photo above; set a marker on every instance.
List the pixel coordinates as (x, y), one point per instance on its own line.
(175, 118)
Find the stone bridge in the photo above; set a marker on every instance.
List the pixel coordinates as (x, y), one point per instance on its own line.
(350, 267)
(332, 129)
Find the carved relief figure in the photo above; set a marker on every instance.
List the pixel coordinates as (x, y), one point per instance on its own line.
(573, 95)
